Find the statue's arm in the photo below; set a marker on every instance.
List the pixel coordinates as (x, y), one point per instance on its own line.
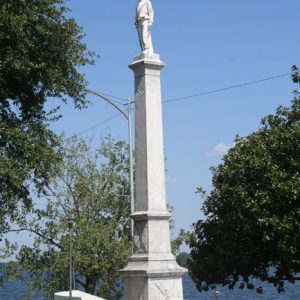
(150, 11)
(136, 18)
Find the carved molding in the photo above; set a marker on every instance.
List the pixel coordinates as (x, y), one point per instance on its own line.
(140, 237)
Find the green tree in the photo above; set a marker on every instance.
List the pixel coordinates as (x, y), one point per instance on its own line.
(93, 188)
(252, 229)
(29, 155)
(182, 259)
(41, 51)
(182, 238)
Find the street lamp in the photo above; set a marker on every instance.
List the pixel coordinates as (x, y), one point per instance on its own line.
(70, 226)
(128, 118)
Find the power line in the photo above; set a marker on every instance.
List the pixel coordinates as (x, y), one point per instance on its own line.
(226, 88)
(99, 124)
(96, 125)
(193, 96)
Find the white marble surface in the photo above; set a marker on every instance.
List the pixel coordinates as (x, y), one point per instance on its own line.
(152, 272)
(143, 20)
(76, 295)
(150, 179)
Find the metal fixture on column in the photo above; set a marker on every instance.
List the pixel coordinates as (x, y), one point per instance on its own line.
(128, 118)
(131, 164)
(70, 226)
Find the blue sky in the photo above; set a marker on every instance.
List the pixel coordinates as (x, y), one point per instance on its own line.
(207, 45)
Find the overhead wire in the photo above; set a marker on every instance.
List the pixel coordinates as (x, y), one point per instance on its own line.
(214, 91)
(97, 125)
(226, 88)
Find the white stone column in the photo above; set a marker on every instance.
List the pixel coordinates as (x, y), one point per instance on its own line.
(152, 272)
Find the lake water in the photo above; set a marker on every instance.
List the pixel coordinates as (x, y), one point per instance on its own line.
(19, 291)
(270, 293)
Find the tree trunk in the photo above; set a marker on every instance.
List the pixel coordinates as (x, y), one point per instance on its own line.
(90, 284)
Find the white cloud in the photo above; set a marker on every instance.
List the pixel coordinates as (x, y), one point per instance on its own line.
(219, 150)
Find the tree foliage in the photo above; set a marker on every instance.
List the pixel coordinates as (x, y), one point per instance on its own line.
(29, 154)
(41, 51)
(182, 259)
(176, 243)
(93, 188)
(252, 229)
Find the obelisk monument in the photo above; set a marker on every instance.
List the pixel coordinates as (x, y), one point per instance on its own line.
(152, 272)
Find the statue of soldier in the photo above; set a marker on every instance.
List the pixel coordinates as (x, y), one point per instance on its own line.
(143, 21)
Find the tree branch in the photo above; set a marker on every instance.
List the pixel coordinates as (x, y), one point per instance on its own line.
(80, 282)
(37, 233)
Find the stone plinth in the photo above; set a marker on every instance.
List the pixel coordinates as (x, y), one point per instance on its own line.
(152, 272)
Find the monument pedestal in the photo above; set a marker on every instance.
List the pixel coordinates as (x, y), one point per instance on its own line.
(152, 272)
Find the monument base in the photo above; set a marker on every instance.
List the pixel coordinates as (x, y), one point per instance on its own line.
(153, 279)
(145, 56)
(152, 272)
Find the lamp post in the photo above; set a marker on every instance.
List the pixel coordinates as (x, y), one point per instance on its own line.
(128, 118)
(70, 226)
